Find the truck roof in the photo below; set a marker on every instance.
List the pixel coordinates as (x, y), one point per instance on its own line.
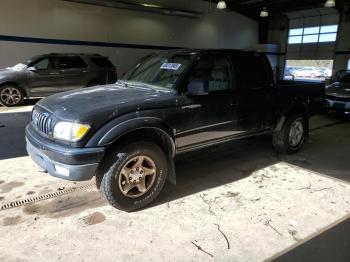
(210, 51)
(71, 54)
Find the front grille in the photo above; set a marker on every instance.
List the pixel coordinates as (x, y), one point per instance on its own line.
(42, 121)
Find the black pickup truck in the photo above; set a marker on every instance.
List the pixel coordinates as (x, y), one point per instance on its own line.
(128, 134)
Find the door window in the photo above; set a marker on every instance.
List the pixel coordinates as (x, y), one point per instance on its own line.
(216, 71)
(43, 64)
(70, 62)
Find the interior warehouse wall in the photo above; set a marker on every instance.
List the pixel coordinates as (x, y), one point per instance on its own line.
(342, 56)
(56, 19)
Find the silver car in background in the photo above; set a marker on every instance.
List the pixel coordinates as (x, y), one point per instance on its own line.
(338, 95)
(48, 74)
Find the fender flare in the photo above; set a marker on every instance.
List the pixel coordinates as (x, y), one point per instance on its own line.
(117, 129)
(294, 108)
(133, 124)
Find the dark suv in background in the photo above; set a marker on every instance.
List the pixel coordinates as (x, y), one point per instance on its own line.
(48, 74)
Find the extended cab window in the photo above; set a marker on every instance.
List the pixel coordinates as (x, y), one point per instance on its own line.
(70, 62)
(216, 71)
(250, 71)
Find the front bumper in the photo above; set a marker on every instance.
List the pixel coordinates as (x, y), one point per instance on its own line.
(76, 164)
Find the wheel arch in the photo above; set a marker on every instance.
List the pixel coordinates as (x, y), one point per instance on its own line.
(142, 129)
(295, 108)
(148, 133)
(25, 91)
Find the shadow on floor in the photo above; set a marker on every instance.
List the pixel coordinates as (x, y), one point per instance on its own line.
(332, 245)
(12, 134)
(217, 166)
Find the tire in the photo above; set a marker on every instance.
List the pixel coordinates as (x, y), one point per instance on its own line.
(122, 173)
(283, 140)
(11, 95)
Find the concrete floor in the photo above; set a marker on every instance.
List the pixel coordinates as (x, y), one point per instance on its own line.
(238, 202)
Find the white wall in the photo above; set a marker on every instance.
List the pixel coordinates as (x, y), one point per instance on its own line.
(343, 45)
(55, 19)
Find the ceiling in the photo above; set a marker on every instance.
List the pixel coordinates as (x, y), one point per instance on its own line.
(194, 8)
(182, 8)
(252, 8)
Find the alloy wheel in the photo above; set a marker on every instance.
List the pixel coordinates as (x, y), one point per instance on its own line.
(10, 96)
(137, 176)
(296, 133)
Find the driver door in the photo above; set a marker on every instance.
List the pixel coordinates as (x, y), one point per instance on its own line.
(43, 78)
(206, 119)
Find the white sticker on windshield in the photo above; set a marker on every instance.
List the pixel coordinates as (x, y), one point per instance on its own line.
(170, 66)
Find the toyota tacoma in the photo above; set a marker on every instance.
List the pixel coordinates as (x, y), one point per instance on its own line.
(127, 134)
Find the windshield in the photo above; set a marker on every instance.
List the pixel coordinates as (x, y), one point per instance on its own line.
(160, 70)
(23, 65)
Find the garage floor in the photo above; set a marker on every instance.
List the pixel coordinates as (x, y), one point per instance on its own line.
(239, 202)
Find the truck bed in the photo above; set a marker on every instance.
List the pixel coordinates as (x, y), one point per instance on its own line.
(312, 93)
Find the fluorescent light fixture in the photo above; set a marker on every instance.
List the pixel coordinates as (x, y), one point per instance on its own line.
(330, 3)
(221, 5)
(151, 5)
(264, 12)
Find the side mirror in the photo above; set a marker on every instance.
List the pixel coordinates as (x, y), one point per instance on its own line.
(198, 88)
(32, 68)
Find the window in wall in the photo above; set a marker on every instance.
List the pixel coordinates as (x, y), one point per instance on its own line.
(308, 70)
(316, 34)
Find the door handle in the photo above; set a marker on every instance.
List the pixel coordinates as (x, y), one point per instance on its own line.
(191, 106)
(234, 104)
(54, 73)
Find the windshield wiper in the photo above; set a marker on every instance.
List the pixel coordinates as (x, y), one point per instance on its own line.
(141, 85)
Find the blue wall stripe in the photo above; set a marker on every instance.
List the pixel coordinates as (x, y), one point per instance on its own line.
(51, 41)
(79, 43)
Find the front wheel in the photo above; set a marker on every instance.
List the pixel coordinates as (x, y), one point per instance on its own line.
(135, 176)
(290, 139)
(11, 95)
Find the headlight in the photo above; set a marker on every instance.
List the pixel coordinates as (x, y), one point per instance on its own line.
(70, 131)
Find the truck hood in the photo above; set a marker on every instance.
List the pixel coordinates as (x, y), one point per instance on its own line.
(102, 103)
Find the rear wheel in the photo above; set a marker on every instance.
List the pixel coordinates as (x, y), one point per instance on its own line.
(135, 175)
(11, 95)
(290, 139)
